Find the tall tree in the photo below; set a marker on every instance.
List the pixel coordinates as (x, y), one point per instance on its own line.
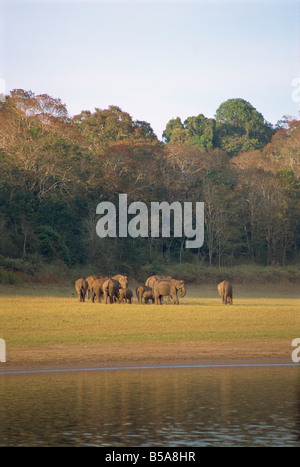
(175, 132)
(241, 127)
(195, 131)
(201, 131)
(104, 127)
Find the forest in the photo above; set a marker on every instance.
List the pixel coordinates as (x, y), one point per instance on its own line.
(55, 169)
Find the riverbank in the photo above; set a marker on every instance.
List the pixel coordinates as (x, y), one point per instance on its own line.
(131, 355)
(47, 328)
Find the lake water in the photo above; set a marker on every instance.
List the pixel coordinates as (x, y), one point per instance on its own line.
(167, 407)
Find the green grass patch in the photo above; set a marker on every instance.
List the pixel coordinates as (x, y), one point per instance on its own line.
(53, 316)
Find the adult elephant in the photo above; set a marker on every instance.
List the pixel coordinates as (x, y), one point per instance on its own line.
(111, 289)
(165, 287)
(90, 281)
(225, 292)
(97, 289)
(81, 286)
(152, 279)
(123, 280)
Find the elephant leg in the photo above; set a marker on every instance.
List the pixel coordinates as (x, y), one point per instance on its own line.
(175, 299)
(81, 295)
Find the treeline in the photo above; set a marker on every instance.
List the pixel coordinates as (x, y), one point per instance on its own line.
(55, 169)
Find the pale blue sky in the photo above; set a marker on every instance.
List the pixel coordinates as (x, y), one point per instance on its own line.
(156, 59)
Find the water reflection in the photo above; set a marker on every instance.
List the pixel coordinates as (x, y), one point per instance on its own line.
(158, 407)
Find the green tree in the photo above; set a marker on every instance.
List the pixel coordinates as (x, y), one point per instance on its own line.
(195, 131)
(175, 132)
(201, 131)
(241, 127)
(104, 127)
(51, 245)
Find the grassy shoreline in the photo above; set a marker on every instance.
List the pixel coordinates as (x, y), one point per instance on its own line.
(45, 326)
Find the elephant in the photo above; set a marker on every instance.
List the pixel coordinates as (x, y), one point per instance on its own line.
(111, 289)
(90, 281)
(125, 296)
(148, 295)
(81, 286)
(123, 280)
(97, 288)
(225, 292)
(152, 279)
(142, 291)
(166, 287)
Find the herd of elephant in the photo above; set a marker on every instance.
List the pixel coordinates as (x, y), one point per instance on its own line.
(115, 289)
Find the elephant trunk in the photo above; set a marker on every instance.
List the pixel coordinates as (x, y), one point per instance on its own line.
(182, 293)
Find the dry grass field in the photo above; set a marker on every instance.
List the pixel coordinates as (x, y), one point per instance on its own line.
(48, 320)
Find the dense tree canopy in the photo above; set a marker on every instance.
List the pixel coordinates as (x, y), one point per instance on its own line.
(195, 131)
(237, 127)
(55, 169)
(241, 127)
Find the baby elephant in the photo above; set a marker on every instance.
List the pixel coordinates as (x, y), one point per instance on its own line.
(125, 296)
(148, 295)
(225, 292)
